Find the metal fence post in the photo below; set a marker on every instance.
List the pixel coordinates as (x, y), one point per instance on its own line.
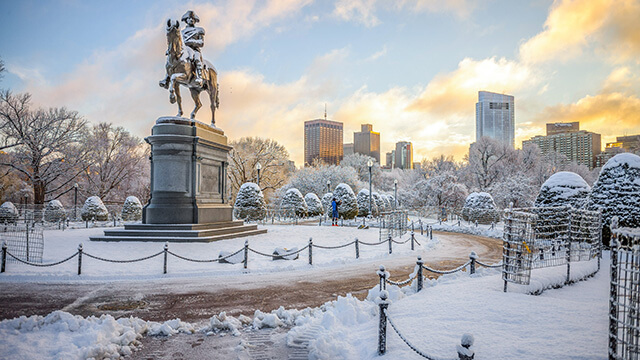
(413, 238)
(382, 328)
(568, 255)
(4, 256)
(464, 350)
(430, 232)
(27, 224)
(613, 289)
(390, 246)
(320, 222)
(166, 250)
(80, 259)
(419, 263)
(382, 273)
(246, 253)
(357, 249)
(310, 251)
(473, 257)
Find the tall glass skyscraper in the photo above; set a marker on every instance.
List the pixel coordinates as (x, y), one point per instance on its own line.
(495, 117)
(323, 141)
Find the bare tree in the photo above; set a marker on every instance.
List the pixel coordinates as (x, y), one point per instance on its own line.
(115, 160)
(247, 153)
(486, 159)
(45, 144)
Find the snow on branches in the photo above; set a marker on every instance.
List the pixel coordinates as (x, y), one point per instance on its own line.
(250, 204)
(94, 209)
(563, 188)
(479, 206)
(348, 209)
(314, 204)
(293, 202)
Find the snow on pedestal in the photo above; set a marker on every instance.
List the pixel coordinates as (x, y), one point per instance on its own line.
(348, 209)
(326, 203)
(8, 212)
(479, 206)
(54, 211)
(93, 208)
(617, 192)
(314, 204)
(563, 188)
(293, 202)
(132, 209)
(250, 204)
(363, 203)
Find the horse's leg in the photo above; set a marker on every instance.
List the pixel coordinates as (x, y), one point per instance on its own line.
(195, 94)
(179, 100)
(213, 91)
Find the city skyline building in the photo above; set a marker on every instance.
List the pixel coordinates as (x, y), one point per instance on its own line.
(630, 143)
(323, 140)
(559, 128)
(390, 159)
(347, 149)
(404, 155)
(580, 146)
(495, 117)
(367, 142)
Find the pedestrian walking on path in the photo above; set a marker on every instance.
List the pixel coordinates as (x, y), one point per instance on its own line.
(334, 207)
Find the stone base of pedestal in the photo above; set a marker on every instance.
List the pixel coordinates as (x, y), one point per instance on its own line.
(181, 232)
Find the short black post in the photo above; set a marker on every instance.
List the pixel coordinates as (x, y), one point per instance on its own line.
(412, 228)
(476, 223)
(86, 224)
(246, 253)
(341, 221)
(357, 249)
(458, 222)
(465, 352)
(419, 264)
(310, 251)
(413, 238)
(320, 222)
(382, 328)
(80, 259)
(473, 257)
(430, 232)
(4, 256)
(421, 230)
(166, 250)
(382, 273)
(363, 222)
(390, 246)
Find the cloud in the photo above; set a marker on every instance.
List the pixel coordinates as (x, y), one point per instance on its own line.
(361, 11)
(611, 26)
(461, 8)
(455, 93)
(377, 54)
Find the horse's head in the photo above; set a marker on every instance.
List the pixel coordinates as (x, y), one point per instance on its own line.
(174, 39)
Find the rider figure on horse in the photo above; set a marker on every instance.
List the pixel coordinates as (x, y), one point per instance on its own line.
(193, 37)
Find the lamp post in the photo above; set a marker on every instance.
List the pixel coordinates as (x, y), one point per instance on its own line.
(395, 193)
(258, 167)
(370, 164)
(75, 201)
(26, 203)
(328, 186)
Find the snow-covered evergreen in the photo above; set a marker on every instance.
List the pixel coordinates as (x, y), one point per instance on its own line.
(293, 202)
(8, 213)
(93, 208)
(54, 211)
(363, 204)
(326, 203)
(392, 202)
(314, 204)
(563, 188)
(479, 206)
(132, 209)
(617, 192)
(349, 207)
(250, 204)
(380, 204)
(388, 205)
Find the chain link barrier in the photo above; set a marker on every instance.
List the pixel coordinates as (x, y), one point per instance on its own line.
(444, 272)
(411, 346)
(42, 265)
(495, 266)
(122, 261)
(335, 247)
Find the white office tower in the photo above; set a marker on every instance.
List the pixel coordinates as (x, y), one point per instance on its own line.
(495, 117)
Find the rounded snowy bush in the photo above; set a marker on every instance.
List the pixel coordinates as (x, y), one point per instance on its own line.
(392, 202)
(363, 204)
(563, 188)
(348, 209)
(132, 209)
(8, 213)
(388, 205)
(250, 204)
(314, 204)
(617, 193)
(293, 203)
(379, 202)
(326, 203)
(54, 211)
(93, 208)
(479, 206)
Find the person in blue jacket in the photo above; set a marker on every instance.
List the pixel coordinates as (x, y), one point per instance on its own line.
(334, 207)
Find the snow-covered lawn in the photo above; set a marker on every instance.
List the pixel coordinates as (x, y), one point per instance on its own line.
(61, 244)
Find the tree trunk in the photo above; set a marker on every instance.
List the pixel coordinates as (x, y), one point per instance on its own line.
(38, 192)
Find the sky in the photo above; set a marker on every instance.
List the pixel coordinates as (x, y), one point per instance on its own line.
(412, 68)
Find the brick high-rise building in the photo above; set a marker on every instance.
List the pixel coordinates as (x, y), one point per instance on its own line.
(580, 146)
(559, 128)
(367, 142)
(323, 141)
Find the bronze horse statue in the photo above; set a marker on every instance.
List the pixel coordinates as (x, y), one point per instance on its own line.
(181, 71)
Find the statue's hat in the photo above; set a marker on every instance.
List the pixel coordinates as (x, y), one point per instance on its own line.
(189, 14)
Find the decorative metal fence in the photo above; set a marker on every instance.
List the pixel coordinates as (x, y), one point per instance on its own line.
(393, 224)
(25, 242)
(624, 299)
(548, 236)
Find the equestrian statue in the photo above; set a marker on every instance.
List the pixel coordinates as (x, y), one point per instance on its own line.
(185, 65)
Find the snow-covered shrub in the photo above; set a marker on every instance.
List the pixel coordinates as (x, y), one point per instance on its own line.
(132, 209)
(349, 207)
(54, 211)
(479, 206)
(617, 193)
(326, 203)
(388, 206)
(293, 202)
(379, 202)
(250, 204)
(393, 202)
(563, 188)
(93, 208)
(8, 213)
(314, 204)
(363, 204)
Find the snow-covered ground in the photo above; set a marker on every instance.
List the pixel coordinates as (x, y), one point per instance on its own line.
(61, 244)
